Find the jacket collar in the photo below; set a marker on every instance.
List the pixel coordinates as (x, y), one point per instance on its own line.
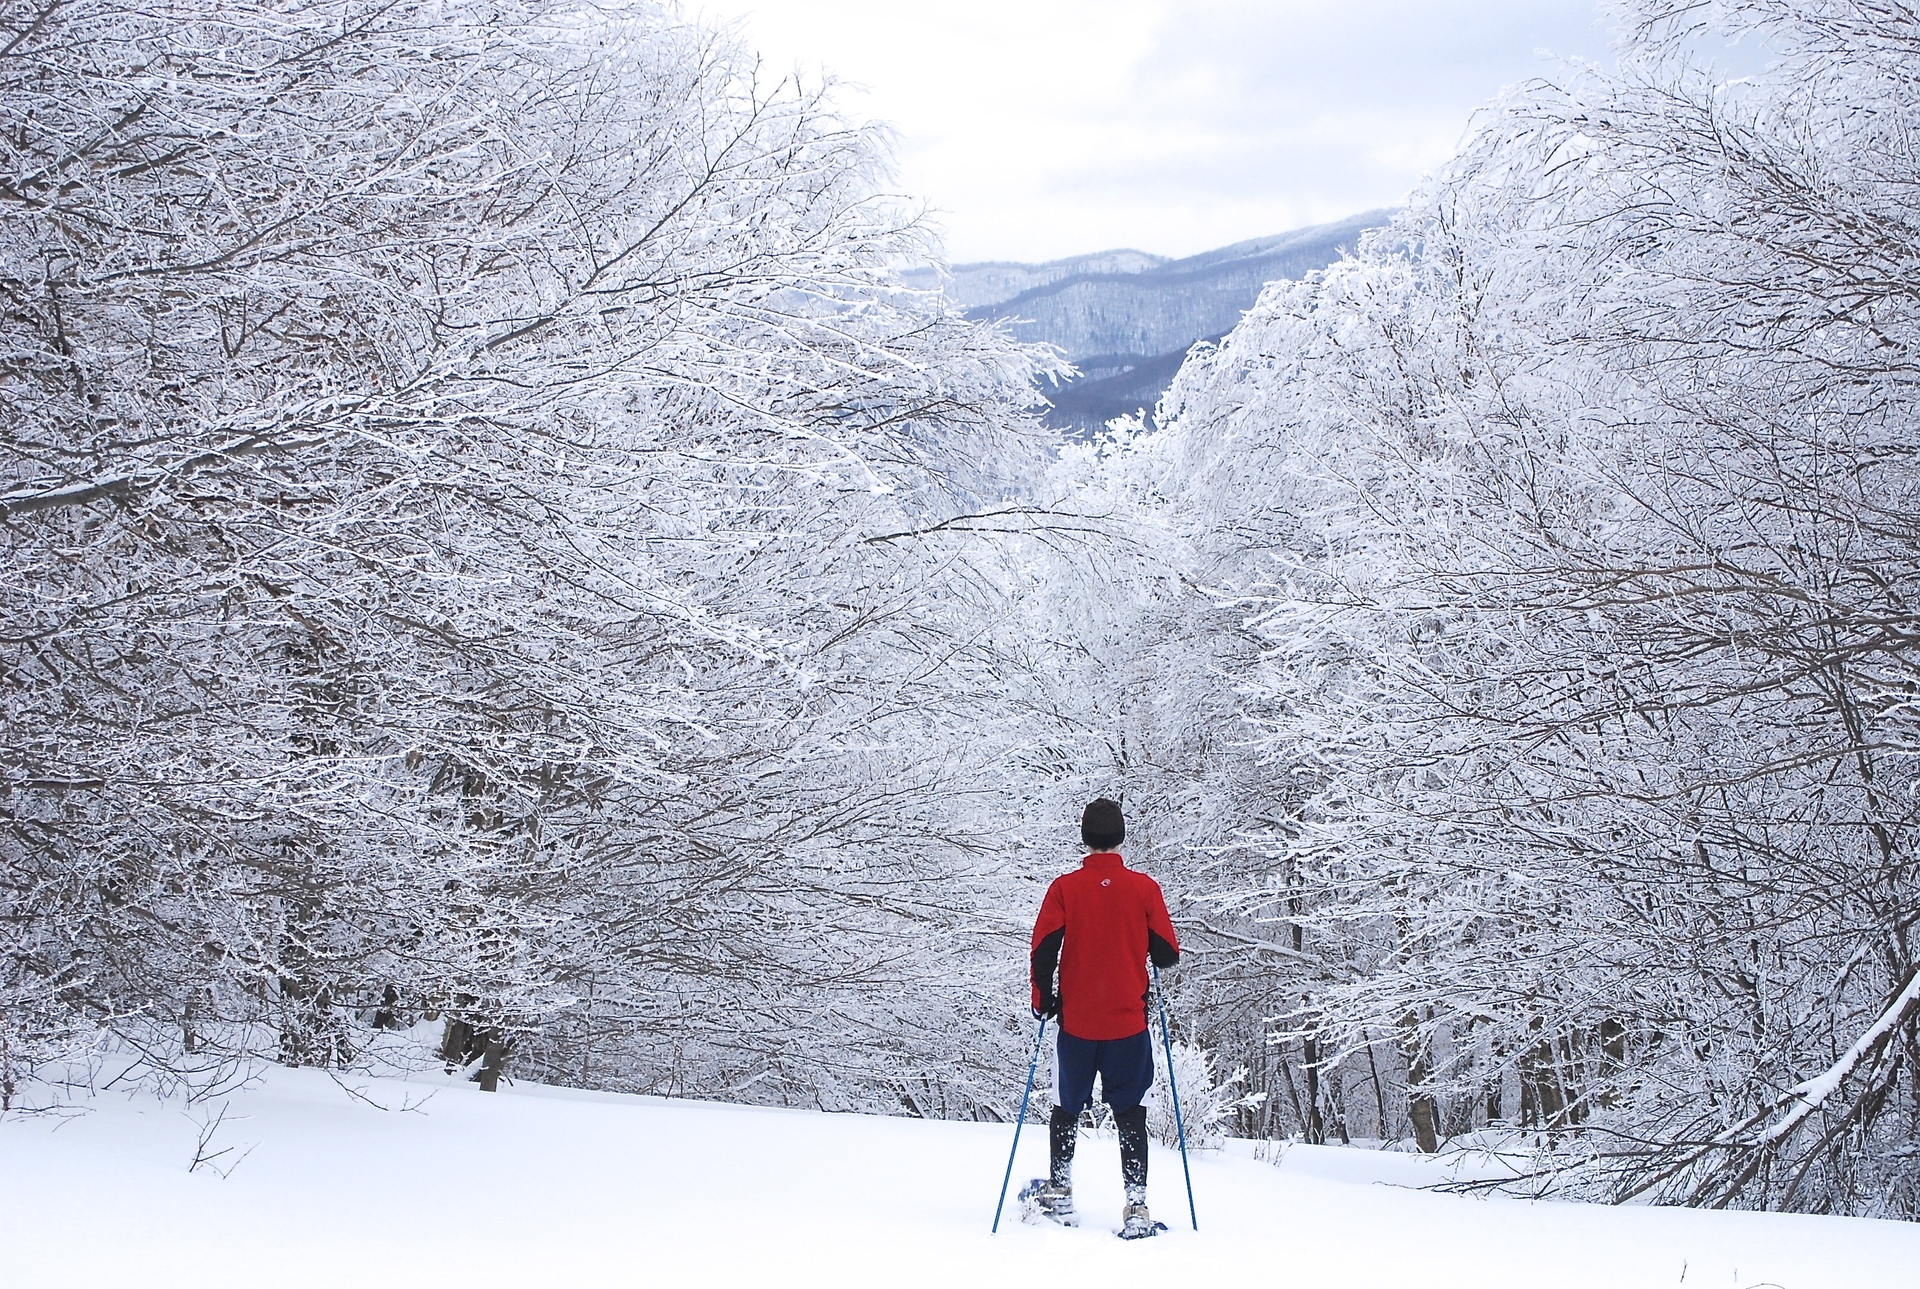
(1103, 859)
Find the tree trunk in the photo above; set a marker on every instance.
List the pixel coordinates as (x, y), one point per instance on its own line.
(1316, 1125)
(493, 1056)
(1539, 1077)
(1422, 1111)
(387, 1015)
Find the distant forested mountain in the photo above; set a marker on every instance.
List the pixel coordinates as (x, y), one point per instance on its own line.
(994, 282)
(1127, 318)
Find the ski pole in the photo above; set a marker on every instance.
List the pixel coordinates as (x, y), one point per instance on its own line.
(1017, 1123)
(1166, 1042)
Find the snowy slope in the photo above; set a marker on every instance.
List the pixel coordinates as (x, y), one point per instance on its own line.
(537, 1186)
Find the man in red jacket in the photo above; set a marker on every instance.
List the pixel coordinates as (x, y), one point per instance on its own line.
(1098, 925)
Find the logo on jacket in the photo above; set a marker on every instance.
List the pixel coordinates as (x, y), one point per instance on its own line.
(1106, 881)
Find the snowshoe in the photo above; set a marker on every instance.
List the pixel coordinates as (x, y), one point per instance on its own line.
(1040, 1198)
(1137, 1224)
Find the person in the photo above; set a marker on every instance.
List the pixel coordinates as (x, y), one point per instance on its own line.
(1098, 926)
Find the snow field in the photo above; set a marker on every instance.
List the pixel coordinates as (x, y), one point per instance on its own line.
(538, 1186)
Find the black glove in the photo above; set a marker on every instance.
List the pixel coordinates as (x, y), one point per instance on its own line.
(1049, 1006)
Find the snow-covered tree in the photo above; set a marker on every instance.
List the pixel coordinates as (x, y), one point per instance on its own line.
(1576, 515)
(461, 469)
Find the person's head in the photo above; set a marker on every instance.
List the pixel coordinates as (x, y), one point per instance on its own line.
(1102, 826)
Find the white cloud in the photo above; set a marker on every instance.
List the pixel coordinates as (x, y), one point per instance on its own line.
(1040, 128)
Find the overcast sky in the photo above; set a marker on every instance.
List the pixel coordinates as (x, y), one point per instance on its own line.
(1044, 128)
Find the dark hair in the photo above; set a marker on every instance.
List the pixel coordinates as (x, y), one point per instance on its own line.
(1102, 826)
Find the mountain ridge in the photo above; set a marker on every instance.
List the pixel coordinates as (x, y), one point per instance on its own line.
(986, 282)
(1194, 267)
(1127, 318)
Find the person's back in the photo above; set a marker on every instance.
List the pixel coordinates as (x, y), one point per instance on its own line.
(1098, 926)
(1118, 919)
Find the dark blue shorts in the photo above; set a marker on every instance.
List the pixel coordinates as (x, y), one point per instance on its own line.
(1125, 1067)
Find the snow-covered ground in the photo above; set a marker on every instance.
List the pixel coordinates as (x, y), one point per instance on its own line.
(538, 1186)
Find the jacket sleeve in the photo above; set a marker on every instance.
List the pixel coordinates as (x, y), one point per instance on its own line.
(1049, 930)
(1163, 946)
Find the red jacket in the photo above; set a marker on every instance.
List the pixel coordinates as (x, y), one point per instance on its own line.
(1100, 923)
